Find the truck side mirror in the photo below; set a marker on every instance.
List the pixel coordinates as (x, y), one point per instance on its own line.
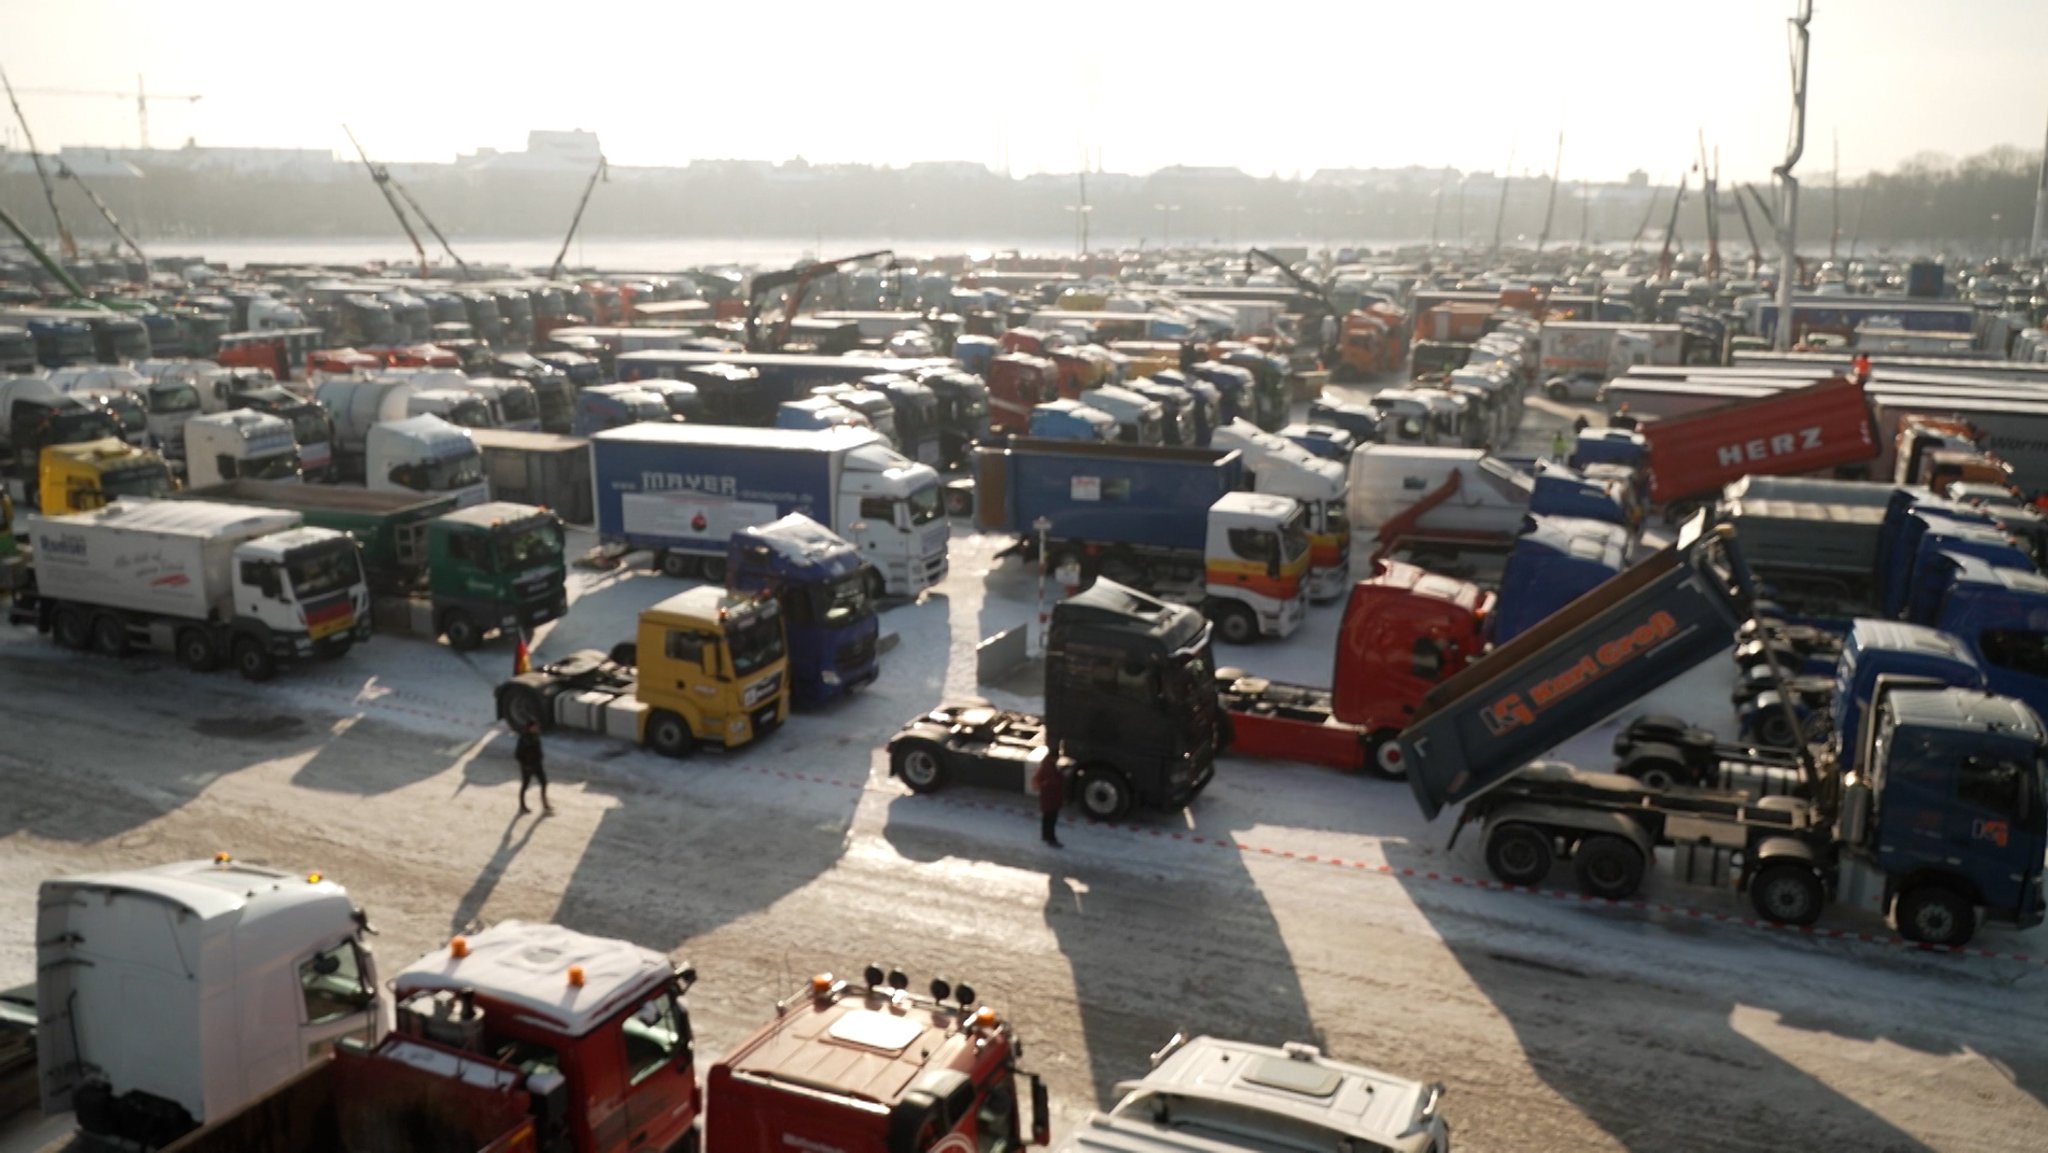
(1041, 1112)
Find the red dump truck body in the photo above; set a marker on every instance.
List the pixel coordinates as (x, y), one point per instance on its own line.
(1796, 431)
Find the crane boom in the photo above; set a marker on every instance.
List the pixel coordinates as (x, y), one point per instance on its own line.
(429, 222)
(800, 278)
(382, 180)
(555, 269)
(1671, 232)
(64, 172)
(69, 246)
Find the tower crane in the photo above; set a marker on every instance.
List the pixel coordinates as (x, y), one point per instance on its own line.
(141, 96)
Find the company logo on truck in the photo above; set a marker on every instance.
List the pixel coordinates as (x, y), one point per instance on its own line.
(1517, 709)
(710, 483)
(68, 545)
(1764, 448)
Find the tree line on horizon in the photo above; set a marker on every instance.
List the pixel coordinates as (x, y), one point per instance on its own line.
(1979, 205)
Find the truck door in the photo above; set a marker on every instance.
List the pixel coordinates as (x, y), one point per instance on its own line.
(1995, 825)
(338, 995)
(659, 1081)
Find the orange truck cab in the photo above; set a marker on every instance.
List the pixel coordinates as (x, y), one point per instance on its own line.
(870, 1067)
(1405, 630)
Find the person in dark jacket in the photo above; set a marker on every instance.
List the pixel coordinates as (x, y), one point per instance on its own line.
(1052, 795)
(530, 769)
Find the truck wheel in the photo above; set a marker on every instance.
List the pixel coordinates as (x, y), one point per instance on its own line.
(1384, 757)
(254, 661)
(1105, 796)
(1935, 915)
(1609, 867)
(670, 735)
(712, 568)
(1654, 767)
(959, 501)
(921, 765)
(195, 650)
(461, 630)
(70, 627)
(1122, 568)
(109, 636)
(521, 706)
(1773, 730)
(1557, 392)
(877, 587)
(1518, 854)
(1235, 623)
(676, 564)
(1788, 893)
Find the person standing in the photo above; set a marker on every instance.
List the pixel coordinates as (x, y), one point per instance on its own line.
(1558, 447)
(1052, 795)
(531, 770)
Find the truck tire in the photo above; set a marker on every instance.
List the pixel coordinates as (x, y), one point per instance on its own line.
(712, 568)
(921, 764)
(1656, 766)
(1518, 854)
(1935, 915)
(877, 587)
(1609, 867)
(1557, 392)
(670, 735)
(195, 650)
(521, 705)
(70, 627)
(1235, 624)
(461, 630)
(254, 661)
(1787, 893)
(679, 565)
(958, 501)
(1122, 567)
(1105, 795)
(109, 635)
(1384, 757)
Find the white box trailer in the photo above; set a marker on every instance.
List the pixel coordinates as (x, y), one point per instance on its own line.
(1568, 346)
(170, 557)
(173, 995)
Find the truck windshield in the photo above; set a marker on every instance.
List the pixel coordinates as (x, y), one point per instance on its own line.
(76, 427)
(519, 404)
(323, 569)
(278, 467)
(755, 641)
(468, 414)
(174, 398)
(1150, 430)
(127, 412)
(529, 545)
(844, 601)
(150, 480)
(73, 344)
(309, 425)
(459, 472)
(130, 343)
(924, 505)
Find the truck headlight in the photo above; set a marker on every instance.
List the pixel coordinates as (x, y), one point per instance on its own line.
(830, 678)
(736, 726)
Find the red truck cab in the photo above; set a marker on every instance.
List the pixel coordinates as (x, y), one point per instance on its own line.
(1405, 630)
(871, 1068)
(1017, 383)
(599, 1023)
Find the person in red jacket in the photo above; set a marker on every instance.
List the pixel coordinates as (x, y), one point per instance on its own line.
(1052, 795)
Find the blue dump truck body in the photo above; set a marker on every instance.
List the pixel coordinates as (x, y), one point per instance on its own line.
(1071, 420)
(2000, 614)
(821, 583)
(1554, 562)
(1123, 494)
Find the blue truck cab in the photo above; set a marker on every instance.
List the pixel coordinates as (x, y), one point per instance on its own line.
(1555, 561)
(1072, 420)
(918, 430)
(1362, 421)
(1177, 411)
(817, 412)
(1207, 400)
(823, 587)
(2000, 614)
(604, 406)
(61, 342)
(1898, 652)
(1558, 491)
(1624, 446)
(1934, 565)
(1324, 440)
(974, 352)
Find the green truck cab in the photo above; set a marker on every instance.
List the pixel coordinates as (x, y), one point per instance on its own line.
(434, 570)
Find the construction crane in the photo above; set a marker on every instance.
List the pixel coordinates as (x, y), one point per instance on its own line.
(799, 279)
(1671, 231)
(555, 269)
(107, 214)
(388, 184)
(66, 243)
(141, 96)
(1710, 178)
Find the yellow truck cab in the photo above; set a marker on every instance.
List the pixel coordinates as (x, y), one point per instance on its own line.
(82, 477)
(707, 667)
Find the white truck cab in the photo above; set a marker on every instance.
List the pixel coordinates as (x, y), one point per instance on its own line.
(1209, 1095)
(895, 516)
(1283, 468)
(425, 454)
(173, 995)
(243, 443)
(1257, 554)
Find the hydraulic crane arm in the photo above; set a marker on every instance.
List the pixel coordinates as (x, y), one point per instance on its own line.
(555, 269)
(64, 240)
(800, 279)
(383, 181)
(64, 172)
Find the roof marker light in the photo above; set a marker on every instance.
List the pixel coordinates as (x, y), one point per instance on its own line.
(575, 976)
(458, 947)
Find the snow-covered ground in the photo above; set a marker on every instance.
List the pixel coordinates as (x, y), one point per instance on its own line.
(1290, 902)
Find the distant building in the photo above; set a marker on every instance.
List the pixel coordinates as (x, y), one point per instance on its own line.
(277, 163)
(574, 151)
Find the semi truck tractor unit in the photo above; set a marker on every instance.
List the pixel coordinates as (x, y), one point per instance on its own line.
(1173, 522)
(1940, 820)
(206, 582)
(706, 667)
(172, 996)
(823, 587)
(81, 477)
(242, 443)
(682, 491)
(1131, 712)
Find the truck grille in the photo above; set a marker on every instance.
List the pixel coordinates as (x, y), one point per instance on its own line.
(765, 720)
(762, 690)
(855, 655)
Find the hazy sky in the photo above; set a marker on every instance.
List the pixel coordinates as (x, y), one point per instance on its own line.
(1269, 86)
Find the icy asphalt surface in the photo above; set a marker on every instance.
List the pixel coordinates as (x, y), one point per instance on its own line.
(1289, 903)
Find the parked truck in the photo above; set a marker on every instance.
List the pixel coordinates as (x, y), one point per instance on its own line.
(206, 582)
(683, 490)
(1175, 522)
(542, 468)
(1942, 816)
(434, 569)
(822, 584)
(707, 667)
(1131, 712)
(1207, 1095)
(241, 443)
(1072, 420)
(381, 439)
(1607, 348)
(1459, 510)
(169, 997)
(1276, 465)
(81, 477)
